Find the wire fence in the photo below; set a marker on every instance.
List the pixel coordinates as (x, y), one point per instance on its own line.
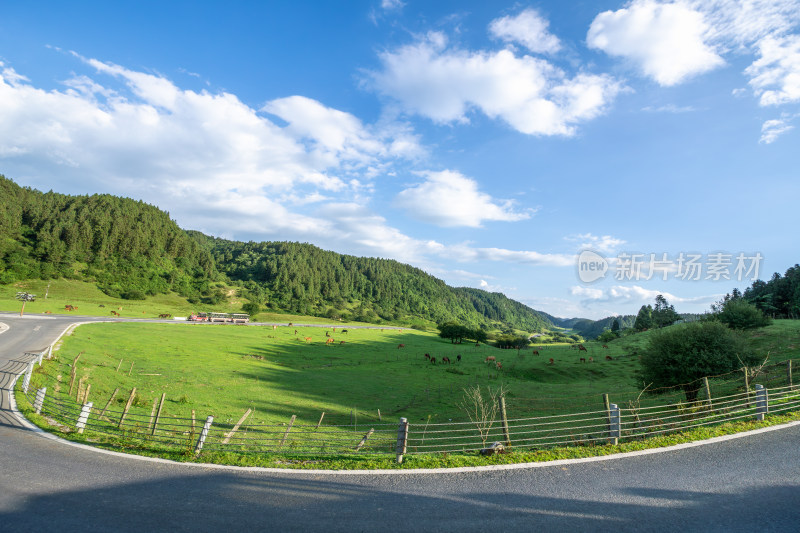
(631, 416)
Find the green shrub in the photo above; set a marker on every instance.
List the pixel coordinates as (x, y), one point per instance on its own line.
(741, 314)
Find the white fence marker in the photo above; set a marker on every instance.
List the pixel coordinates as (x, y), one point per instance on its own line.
(762, 406)
(27, 379)
(39, 402)
(203, 434)
(84, 417)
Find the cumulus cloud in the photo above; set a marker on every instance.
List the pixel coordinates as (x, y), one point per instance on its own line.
(668, 42)
(529, 29)
(447, 198)
(772, 129)
(635, 294)
(775, 75)
(444, 83)
(605, 243)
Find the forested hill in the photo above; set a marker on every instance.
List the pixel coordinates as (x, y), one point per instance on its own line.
(132, 249)
(305, 279)
(129, 248)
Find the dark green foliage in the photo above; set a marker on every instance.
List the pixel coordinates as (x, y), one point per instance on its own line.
(663, 313)
(644, 319)
(779, 297)
(682, 354)
(512, 341)
(304, 279)
(741, 314)
(251, 308)
(455, 332)
(129, 248)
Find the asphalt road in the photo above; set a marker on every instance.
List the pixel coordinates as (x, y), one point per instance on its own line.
(745, 484)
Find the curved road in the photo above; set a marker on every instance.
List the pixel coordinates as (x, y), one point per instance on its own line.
(743, 484)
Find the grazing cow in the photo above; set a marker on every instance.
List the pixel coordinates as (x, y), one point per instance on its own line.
(69, 307)
(274, 327)
(344, 331)
(583, 359)
(114, 313)
(427, 356)
(489, 359)
(608, 358)
(165, 315)
(591, 359)
(458, 358)
(401, 346)
(101, 305)
(295, 332)
(307, 339)
(290, 324)
(334, 329)
(582, 348)
(477, 345)
(551, 361)
(327, 333)
(605, 346)
(536, 352)
(499, 365)
(48, 312)
(446, 359)
(341, 342)
(329, 341)
(433, 360)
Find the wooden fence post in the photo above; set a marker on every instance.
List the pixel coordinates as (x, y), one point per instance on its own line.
(615, 431)
(762, 404)
(504, 420)
(402, 440)
(607, 407)
(320, 420)
(39, 402)
(127, 407)
(109, 401)
(203, 434)
(86, 393)
(364, 440)
(789, 372)
(119, 365)
(286, 433)
(708, 393)
(747, 382)
(83, 417)
(26, 381)
(236, 427)
(158, 414)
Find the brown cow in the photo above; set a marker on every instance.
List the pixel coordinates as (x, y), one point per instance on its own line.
(551, 361)
(536, 352)
(307, 339)
(428, 357)
(582, 348)
(341, 342)
(446, 359)
(489, 359)
(605, 346)
(608, 358)
(499, 365)
(329, 341)
(591, 359)
(401, 345)
(583, 359)
(433, 360)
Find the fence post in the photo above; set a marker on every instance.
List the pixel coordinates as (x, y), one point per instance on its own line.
(27, 379)
(364, 440)
(203, 434)
(708, 393)
(41, 356)
(607, 406)
(286, 433)
(127, 407)
(83, 417)
(789, 373)
(615, 429)
(402, 439)
(505, 420)
(39, 402)
(762, 405)
(50, 352)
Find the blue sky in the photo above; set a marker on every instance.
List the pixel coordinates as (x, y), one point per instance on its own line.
(488, 143)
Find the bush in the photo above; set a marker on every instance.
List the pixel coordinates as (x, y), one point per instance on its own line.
(680, 355)
(251, 308)
(741, 314)
(133, 294)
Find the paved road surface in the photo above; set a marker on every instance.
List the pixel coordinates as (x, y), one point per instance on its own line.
(746, 484)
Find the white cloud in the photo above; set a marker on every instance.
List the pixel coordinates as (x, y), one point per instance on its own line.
(772, 129)
(449, 199)
(531, 95)
(635, 294)
(775, 75)
(669, 108)
(604, 244)
(667, 41)
(390, 5)
(467, 253)
(529, 29)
